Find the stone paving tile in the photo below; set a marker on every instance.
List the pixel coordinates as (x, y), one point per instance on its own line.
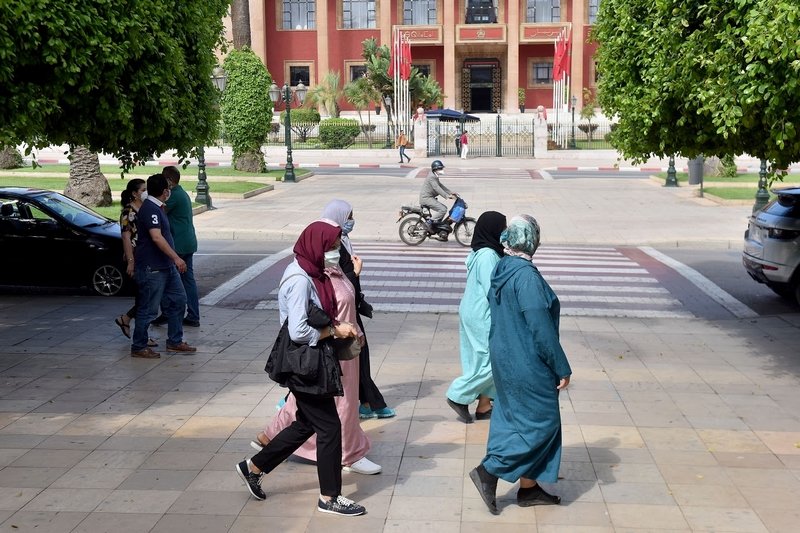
(721, 519)
(138, 501)
(117, 523)
(14, 498)
(72, 499)
(42, 521)
(189, 523)
(707, 495)
(647, 516)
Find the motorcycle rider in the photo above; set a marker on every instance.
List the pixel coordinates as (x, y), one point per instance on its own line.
(431, 189)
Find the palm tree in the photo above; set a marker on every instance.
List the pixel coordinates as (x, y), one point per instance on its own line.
(87, 184)
(362, 95)
(240, 23)
(327, 94)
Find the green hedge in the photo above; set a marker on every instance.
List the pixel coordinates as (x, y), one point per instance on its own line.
(338, 132)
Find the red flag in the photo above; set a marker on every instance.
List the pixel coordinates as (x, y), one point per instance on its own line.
(557, 57)
(405, 60)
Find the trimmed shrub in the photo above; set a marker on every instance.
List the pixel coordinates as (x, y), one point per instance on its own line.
(729, 169)
(304, 120)
(338, 132)
(246, 108)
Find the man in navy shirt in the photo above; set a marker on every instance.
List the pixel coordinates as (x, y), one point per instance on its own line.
(158, 269)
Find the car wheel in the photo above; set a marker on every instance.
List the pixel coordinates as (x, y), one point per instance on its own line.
(784, 290)
(107, 280)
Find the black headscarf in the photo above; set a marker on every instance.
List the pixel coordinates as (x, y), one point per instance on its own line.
(487, 232)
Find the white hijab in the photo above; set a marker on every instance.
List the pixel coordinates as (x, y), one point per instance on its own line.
(337, 212)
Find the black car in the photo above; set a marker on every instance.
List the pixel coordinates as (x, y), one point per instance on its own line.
(50, 240)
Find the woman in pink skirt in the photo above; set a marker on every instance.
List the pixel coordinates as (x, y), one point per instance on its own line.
(355, 442)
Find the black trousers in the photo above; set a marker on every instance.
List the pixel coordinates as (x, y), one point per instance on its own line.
(314, 415)
(367, 390)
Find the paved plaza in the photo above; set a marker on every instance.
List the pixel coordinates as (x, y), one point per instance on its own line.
(671, 423)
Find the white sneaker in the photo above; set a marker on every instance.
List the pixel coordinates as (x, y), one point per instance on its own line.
(363, 466)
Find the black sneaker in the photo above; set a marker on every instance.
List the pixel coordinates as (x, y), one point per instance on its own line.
(160, 320)
(191, 323)
(536, 496)
(252, 480)
(341, 506)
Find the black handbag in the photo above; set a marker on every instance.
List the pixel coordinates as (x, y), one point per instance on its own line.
(302, 367)
(346, 349)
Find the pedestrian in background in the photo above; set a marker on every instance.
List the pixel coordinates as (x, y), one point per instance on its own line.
(132, 197)
(401, 143)
(529, 368)
(158, 269)
(464, 144)
(179, 211)
(458, 143)
(476, 380)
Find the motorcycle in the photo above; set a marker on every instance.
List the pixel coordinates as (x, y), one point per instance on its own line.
(415, 225)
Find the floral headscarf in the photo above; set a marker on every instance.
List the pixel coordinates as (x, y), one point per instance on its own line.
(521, 238)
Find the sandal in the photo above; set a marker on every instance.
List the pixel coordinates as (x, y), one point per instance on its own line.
(152, 342)
(126, 328)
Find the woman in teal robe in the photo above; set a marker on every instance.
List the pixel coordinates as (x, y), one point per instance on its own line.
(529, 368)
(476, 380)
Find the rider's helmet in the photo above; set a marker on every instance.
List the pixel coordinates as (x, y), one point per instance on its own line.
(437, 166)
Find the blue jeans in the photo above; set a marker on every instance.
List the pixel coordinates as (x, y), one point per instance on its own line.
(190, 287)
(159, 287)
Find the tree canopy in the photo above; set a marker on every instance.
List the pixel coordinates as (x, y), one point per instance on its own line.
(128, 78)
(692, 77)
(425, 91)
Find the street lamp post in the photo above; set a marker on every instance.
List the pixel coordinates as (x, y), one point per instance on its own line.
(219, 78)
(572, 137)
(276, 95)
(387, 101)
(672, 178)
(762, 195)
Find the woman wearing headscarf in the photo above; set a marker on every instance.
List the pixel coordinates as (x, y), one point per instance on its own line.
(373, 404)
(474, 321)
(355, 442)
(304, 281)
(529, 368)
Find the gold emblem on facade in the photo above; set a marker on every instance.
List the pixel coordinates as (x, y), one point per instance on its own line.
(480, 34)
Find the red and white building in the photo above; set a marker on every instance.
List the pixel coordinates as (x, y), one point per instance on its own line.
(480, 51)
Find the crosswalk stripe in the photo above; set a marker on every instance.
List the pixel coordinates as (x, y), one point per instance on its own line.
(590, 281)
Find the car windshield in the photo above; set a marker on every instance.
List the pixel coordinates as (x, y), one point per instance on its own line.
(71, 210)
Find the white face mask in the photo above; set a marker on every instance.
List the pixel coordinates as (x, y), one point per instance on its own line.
(143, 196)
(440, 173)
(332, 258)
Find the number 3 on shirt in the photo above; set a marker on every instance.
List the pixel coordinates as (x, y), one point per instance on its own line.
(155, 219)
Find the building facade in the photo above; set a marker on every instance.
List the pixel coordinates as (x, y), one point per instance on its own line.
(480, 51)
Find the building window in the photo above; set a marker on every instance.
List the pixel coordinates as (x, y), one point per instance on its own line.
(357, 71)
(481, 12)
(298, 74)
(424, 70)
(542, 73)
(358, 14)
(594, 5)
(299, 14)
(544, 11)
(419, 12)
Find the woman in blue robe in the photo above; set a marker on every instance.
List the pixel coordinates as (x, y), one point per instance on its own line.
(529, 368)
(476, 380)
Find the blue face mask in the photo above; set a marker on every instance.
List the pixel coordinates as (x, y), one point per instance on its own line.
(348, 226)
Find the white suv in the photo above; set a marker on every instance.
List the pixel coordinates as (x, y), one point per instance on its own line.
(772, 244)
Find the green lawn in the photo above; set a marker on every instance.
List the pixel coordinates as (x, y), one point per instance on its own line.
(734, 193)
(58, 184)
(683, 177)
(113, 172)
(114, 210)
